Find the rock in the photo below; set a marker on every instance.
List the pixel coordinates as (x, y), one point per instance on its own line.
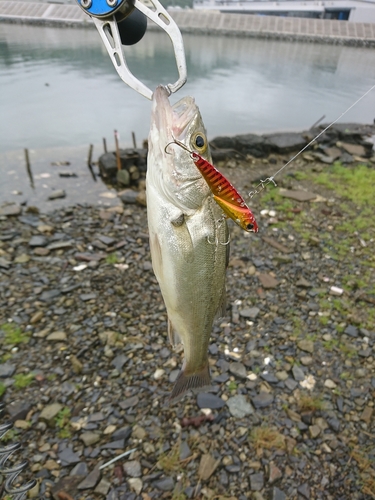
(10, 210)
(136, 484)
(239, 407)
(123, 177)
(314, 431)
(58, 193)
(60, 245)
(130, 403)
(7, 370)
(165, 484)
(132, 468)
(185, 451)
(129, 196)
(49, 414)
(354, 149)
(36, 317)
(352, 331)
(298, 373)
(256, 481)
(366, 415)
(142, 199)
(304, 490)
(103, 487)
(22, 259)
(159, 373)
(249, 312)
(330, 384)
(306, 345)
(18, 410)
(285, 142)
(90, 438)
(262, 400)
(207, 466)
(238, 370)
(38, 241)
(207, 400)
(303, 283)
(108, 165)
(85, 297)
(79, 469)
(68, 457)
(57, 337)
(66, 484)
(278, 494)
(274, 473)
(267, 281)
(4, 263)
(91, 480)
(297, 195)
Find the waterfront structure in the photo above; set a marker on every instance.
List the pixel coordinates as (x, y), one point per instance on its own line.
(343, 10)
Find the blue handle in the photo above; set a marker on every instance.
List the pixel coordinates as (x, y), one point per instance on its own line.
(100, 8)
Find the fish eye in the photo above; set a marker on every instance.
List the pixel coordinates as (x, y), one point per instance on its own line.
(199, 142)
(249, 226)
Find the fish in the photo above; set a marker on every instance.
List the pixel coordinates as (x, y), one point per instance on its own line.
(189, 240)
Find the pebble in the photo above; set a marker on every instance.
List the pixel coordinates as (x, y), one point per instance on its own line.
(132, 468)
(49, 413)
(298, 373)
(136, 484)
(7, 370)
(262, 400)
(57, 337)
(207, 400)
(165, 484)
(58, 193)
(239, 407)
(159, 373)
(90, 438)
(256, 481)
(330, 384)
(249, 312)
(238, 370)
(306, 345)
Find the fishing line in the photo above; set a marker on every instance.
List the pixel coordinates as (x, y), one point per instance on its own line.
(263, 183)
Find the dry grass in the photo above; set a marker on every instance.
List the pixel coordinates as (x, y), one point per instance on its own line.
(307, 402)
(367, 471)
(266, 438)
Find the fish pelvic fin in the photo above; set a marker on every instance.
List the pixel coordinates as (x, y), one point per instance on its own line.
(195, 382)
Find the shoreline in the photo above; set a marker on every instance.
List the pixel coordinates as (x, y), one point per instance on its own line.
(209, 23)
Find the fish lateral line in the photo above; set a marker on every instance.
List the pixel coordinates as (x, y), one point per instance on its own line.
(225, 194)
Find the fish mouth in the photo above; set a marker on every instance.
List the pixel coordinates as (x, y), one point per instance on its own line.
(173, 122)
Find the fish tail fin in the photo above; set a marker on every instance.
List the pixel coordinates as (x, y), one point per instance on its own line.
(195, 381)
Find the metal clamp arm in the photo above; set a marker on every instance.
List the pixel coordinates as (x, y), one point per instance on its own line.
(106, 21)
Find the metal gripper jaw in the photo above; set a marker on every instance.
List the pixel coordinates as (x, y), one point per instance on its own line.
(109, 14)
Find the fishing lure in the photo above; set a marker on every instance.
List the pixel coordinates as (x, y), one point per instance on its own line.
(224, 193)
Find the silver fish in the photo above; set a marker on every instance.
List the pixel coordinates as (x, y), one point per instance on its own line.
(188, 235)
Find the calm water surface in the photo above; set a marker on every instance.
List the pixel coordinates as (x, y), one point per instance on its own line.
(59, 89)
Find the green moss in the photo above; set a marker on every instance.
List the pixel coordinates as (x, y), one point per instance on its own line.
(62, 421)
(2, 389)
(111, 258)
(23, 380)
(232, 386)
(13, 334)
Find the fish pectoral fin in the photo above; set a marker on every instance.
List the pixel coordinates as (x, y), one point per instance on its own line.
(173, 336)
(195, 381)
(184, 241)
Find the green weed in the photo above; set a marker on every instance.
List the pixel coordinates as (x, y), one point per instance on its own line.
(62, 421)
(111, 258)
(2, 389)
(23, 380)
(13, 334)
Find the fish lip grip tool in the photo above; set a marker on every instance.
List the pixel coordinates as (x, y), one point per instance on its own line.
(107, 15)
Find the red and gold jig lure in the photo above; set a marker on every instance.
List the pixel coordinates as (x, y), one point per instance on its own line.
(224, 193)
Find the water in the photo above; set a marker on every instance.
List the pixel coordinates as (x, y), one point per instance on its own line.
(60, 90)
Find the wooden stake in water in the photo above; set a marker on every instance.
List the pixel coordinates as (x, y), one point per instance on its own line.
(28, 168)
(134, 140)
(105, 145)
(89, 162)
(118, 159)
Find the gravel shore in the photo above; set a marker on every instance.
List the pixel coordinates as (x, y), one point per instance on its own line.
(86, 366)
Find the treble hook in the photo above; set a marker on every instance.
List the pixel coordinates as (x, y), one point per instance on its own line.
(179, 143)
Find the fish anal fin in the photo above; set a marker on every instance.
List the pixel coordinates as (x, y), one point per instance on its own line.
(222, 309)
(173, 336)
(195, 381)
